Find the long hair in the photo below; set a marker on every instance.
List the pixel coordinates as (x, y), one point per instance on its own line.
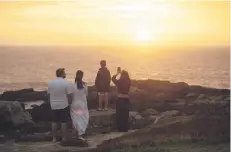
(125, 77)
(78, 79)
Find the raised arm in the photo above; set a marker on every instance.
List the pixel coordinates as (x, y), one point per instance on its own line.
(114, 80)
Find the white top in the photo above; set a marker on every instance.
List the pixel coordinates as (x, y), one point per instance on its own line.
(79, 111)
(79, 96)
(58, 90)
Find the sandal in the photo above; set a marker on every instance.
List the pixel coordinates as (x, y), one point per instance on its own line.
(99, 109)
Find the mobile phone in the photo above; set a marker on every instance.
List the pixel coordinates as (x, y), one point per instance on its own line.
(118, 69)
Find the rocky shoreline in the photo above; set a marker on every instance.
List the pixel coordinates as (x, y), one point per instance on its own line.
(152, 101)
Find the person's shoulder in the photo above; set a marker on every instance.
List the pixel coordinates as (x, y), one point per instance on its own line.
(100, 69)
(108, 70)
(52, 82)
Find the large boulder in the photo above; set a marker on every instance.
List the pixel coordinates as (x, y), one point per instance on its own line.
(41, 113)
(15, 95)
(92, 100)
(34, 96)
(208, 91)
(12, 115)
(24, 95)
(101, 118)
(167, 89)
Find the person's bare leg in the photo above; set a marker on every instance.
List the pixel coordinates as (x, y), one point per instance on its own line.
(54, 131)
(100, 101)
(64, 132)
(106, 101)
(73, 130)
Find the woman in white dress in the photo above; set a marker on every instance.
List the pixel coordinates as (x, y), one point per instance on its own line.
(79, 110)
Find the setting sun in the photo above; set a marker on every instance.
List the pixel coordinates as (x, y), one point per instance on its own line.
(143, 36)
(114, 22)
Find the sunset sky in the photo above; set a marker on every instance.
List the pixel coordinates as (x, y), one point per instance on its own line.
(114, 22)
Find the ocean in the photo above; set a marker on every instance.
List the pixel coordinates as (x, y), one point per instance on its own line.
(26, 67)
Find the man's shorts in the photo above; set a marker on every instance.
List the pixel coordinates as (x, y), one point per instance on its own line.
(103, 95)
(61, 115)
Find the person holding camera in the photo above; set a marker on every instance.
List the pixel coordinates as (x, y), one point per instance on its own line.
(123, 84)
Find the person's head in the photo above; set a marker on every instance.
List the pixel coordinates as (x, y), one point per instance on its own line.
(60, 73)
(124, 75)
(78, 79)
(103, 63)
(79, 75)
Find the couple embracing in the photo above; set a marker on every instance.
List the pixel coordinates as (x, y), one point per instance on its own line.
(68, 100)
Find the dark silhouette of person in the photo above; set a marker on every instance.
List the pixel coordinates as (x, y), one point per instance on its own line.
(102, 83)
(123, 85)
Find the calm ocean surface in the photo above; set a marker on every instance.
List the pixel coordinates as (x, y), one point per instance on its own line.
(22, 67)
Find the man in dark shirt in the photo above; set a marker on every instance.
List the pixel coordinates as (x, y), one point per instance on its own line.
(102, 83)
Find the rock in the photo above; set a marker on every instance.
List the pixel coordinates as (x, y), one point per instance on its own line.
(210, 101)
(23, 106)
(191, 95)
(150, 112)
(101, 118)
(136, 121)
(227, 99)
(107, 119)
(171, 90)
(92, 100)
(217, 98)
(135, 89)
(134, 116)
(41, 113)
(24, 95)
(12, 115)
(201, 96)
(170, 113)
(15, 95)
(181, 102)
(155, 119)
(34, 106)
(34, 96)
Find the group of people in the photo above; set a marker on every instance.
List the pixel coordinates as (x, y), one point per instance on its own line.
(70, 100)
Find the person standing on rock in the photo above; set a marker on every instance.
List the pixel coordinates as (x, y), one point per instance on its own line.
(79, 109)
(123, 85)
(102, 83)
(60, 95)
